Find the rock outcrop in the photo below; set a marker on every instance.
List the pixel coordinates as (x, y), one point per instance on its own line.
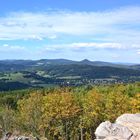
(126, 127)
(10, 136)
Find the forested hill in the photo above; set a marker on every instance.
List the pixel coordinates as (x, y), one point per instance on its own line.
(89, 71)
(62, 72)
(22, 64)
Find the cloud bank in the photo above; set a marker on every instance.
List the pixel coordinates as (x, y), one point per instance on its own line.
(115, 24)
(117, 29)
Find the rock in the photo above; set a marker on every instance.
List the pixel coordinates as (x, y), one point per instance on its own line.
(7, 136)
(108, 129)
(131, 121)
(10, 136)
(126, 127)
(135, 137)
(23, 138)
(113, 138)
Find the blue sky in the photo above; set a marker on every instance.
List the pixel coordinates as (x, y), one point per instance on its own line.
(105, 30)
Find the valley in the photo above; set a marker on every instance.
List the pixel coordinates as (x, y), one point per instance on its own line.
(22, 74)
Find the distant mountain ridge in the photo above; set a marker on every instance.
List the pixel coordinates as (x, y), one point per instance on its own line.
(64, 61)
(20, 74)
(45, 62)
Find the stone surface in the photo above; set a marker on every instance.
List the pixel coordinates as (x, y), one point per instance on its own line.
(23, 138)
(10, 136)
(126, 127)
(108, 129)
(131, 121)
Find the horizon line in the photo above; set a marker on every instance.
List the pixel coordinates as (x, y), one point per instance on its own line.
(115, 62)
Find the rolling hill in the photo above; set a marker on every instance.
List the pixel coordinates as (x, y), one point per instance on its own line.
(62, 72)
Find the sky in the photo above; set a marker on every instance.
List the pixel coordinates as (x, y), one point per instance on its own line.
(98, 30)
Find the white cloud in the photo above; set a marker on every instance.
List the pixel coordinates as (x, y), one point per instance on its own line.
(10, 48)
(52, 37)
(138, 52)
(5, 45)
(90, 45)
(97, 45)
(116, 25)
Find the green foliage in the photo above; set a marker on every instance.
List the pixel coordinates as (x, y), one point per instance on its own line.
(7, 120)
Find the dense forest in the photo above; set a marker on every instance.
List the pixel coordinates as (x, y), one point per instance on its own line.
(71, 113)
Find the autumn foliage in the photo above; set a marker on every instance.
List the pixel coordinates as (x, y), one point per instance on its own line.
(67, 114)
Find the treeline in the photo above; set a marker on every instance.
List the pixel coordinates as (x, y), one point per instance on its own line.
(7, 86)
(66, 113)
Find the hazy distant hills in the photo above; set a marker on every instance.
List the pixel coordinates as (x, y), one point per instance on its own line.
(25, 64)
(19, 74)
(135, 67)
